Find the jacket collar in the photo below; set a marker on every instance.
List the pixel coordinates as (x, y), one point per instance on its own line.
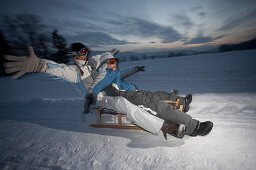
(81, 62)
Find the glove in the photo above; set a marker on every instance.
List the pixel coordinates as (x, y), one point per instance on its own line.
(90, 99)
(23, 65)
(140, 68)
(114, 51)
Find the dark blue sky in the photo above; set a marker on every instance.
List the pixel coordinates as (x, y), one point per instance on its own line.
(143, 24)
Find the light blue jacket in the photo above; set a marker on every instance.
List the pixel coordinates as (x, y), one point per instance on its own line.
(110, 77)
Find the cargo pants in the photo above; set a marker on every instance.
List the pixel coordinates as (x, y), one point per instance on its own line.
(154, 101)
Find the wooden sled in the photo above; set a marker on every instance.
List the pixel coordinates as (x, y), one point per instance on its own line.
(176, 104)
(101, 111)
(119, 125)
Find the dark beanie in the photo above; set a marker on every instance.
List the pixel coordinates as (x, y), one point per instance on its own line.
(77, 46)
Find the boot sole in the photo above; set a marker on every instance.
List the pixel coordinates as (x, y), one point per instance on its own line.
(209, 129)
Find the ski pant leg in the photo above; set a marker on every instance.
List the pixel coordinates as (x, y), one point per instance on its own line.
(134, 113)
(167, 96)
(156, 96)
(164, 110)
(167, 112)
(140, 97)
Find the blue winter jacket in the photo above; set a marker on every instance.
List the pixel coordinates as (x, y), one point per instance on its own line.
(108, 77)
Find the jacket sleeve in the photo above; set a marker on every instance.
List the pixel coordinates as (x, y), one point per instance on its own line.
(98, 83)
(127, 72)
(97, 60)
(68, 73)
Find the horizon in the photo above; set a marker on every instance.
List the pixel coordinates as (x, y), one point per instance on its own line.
(144, 25)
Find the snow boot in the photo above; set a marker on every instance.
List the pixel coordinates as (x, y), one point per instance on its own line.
(188, 100)
(177, 130)
(202, 129)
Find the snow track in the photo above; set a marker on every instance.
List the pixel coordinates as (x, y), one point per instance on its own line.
(42, 125)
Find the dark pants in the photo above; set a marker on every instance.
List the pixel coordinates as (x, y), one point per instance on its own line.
(154, 101)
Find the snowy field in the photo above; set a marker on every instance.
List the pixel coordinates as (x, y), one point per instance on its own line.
(42, 125)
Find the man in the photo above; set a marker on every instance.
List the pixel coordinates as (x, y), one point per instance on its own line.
(154, 101)
(84, 72)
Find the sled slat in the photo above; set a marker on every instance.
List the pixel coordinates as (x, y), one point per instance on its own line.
(119, 124)
(98, 117)
(119, 119)
(116, 126)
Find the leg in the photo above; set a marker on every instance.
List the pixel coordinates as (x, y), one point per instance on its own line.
(139, 97)
(164, 110)
(156, 96)
(165, 96)
(134, 113)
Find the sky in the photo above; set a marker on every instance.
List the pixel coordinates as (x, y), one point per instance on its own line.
(143, 25)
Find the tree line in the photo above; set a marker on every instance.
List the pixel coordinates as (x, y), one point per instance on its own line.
(251, 44)
(25, 30)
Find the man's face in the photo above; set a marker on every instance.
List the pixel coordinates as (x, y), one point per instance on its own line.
(81, 57)
(82, 54)
(112, 66)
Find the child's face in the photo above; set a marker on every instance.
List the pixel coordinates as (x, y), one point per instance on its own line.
(113, 66)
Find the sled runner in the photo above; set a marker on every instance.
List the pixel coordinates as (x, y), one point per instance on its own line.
(119, 118)
(119, 125)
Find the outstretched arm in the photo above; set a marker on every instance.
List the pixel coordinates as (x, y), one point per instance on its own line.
(128, 71)
(67, 72)
(23, 65)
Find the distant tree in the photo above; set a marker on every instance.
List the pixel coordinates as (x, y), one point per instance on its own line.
(153, 57)
(224, 48)
(181, 53)
(251, 44)
(43, 45)
(171, 54)
(134, 58)
(123, 59)
(26, 30)
(144, 57)
(4, 49)
(60, 44)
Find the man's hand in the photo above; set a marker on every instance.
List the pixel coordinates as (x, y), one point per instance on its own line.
(90, 99)
(114, 51)
(23, 65)
(140, 68)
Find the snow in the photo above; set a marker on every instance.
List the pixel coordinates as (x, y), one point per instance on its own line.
(42, 125)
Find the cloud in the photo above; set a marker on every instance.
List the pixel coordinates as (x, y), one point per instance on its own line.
(145, 29)
(196, 8)
(101, 33)
(202, 39)
(199, 40)
(183, 20)
(202, 14)
(96, 39)
(231, 23)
